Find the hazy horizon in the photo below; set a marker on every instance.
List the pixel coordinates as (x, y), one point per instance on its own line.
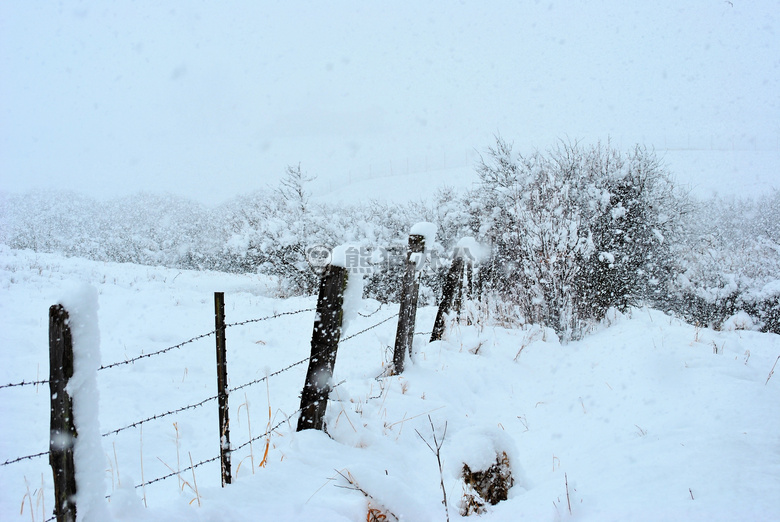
(210, 101)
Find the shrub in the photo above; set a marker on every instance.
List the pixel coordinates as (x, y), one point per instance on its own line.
(576, 231)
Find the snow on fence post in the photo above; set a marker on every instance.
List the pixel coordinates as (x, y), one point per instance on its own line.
(451, 286)
(75, 449)
(222, 388)
(62, 433)
(404, 334)
(324, 346)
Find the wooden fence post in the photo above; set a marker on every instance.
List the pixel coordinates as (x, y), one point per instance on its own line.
(463, 290)
(451, 285)
(222, 388)
(62, 432)
(404, 333)
(324, 346)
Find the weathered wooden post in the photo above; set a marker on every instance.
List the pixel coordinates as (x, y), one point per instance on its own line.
(451, 286)
(457, 298)
(404, 334)
(324, 346)
(62, 432)
(478, 280)
(222, 388)
(463, 289)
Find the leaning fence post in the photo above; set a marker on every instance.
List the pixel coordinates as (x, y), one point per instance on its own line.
(450, 288)
(404, 333)
(324, 346)
(62, 432)
(222, 387)
(463, 290)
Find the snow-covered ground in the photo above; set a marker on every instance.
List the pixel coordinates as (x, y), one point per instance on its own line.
(647, 418)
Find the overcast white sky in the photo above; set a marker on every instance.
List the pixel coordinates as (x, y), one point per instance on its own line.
(212, 99)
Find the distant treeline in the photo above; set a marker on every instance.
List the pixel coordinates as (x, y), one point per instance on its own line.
(572, 232)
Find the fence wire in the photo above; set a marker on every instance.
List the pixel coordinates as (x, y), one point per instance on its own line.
(248, 321)
(24, 383)
(164, 350)
(361, 332)
(204, 401)
(372, 313)
(199, 337)
(208, 399)
(232, 450)
(158, 352)
(26, 457)
(160, 416)
(261, 379)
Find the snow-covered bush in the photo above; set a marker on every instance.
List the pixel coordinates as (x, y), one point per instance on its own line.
(145, 228)
(272, 233)
(730, 262)
(576, 231)
(572, 232)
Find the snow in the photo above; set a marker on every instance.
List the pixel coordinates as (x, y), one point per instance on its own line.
(647, 418)
(353, 299)
(348, 256)
(739, 321)
(339, 256)
(427, 230)
(479, 446)
(607, 257)
(769, 290)
(473, 249)
(81, 302)
(619, 212)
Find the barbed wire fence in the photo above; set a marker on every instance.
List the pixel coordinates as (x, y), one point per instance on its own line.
(202, 402)
(164, 350)
(313, 401)
(132, 360)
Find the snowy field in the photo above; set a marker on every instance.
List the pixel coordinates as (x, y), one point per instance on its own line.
(647, 418)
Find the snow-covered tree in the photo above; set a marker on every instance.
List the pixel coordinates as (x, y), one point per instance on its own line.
(576, 231)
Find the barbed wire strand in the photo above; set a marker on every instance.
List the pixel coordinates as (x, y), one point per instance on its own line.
(213, 459)
(281, 314)
(160, 416)
(361, 332)
(276, 426)
(24, 383)
(268, 432)
(261, 379)
(164, 350)
(26, 457)
(158, 352)
(169, 475)
(343, 339)
(372, 313)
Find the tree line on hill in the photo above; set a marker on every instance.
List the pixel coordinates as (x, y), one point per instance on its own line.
(571, 232)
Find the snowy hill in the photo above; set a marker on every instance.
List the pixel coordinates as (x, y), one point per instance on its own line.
(647, 418)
